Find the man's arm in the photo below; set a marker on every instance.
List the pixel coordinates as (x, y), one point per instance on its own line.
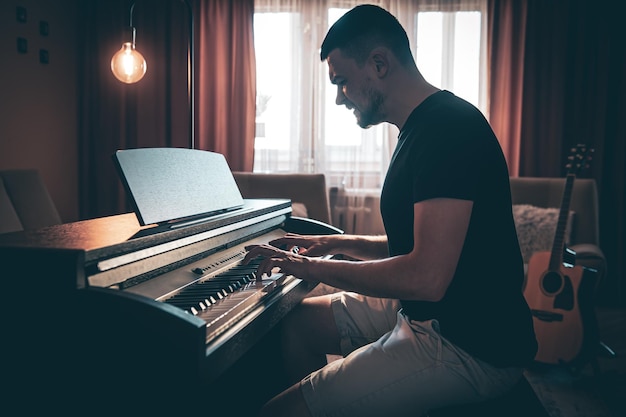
(439, 230)
(359, 247)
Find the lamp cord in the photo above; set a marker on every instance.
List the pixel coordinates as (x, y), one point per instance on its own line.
(190, 66)
(130, 19)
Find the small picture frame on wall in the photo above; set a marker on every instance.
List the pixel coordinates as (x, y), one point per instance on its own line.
(20, 14)
(44, 28)
(44, 56)
(22, 45)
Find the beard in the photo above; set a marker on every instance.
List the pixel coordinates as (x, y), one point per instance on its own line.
(372, 114)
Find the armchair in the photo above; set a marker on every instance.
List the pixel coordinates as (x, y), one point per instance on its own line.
(307, 192)
(25, 203)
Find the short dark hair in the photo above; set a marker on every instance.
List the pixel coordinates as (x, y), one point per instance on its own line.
(364, 28)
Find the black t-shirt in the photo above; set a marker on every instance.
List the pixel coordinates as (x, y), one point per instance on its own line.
(447, 149)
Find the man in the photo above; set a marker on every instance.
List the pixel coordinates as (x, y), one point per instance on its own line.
(432, 314)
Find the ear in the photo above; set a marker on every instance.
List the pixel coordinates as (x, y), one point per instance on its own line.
(380, 62)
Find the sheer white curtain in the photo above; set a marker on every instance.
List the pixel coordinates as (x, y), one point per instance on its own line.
(299, 126)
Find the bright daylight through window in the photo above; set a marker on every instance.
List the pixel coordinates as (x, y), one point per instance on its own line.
(299, 128)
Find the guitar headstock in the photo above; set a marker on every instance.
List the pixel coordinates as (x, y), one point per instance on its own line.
(578, 159)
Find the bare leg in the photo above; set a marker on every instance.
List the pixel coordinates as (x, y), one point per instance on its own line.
(308, 334)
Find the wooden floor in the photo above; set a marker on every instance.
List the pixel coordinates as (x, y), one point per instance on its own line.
(591, 392)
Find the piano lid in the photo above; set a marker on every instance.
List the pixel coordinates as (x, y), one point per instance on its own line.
(166, 185)
(105, 237)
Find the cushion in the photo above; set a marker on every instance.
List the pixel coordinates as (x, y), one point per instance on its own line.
(536, 227)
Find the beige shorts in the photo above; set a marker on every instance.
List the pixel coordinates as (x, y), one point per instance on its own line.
(394, 366)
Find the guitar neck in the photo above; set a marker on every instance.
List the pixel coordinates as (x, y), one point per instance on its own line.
(558, 245)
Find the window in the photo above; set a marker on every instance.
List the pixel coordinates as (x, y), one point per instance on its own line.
(299, 126)
(274, 130)
(449, 53)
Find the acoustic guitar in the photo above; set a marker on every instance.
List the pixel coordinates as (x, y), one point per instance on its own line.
(557, 290)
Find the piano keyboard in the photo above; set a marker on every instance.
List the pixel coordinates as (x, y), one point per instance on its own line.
(202, 295)
(223, 299)
(218, 289)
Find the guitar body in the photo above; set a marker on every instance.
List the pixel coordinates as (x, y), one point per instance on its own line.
(554, 300)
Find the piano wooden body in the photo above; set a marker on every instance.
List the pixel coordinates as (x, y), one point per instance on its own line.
(107, 313)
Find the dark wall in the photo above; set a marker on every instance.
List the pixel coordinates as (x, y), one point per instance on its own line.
(38, 99)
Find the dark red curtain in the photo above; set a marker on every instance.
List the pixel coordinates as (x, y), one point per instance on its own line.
(505, 50)
(155, 111)
(573, 91)
(227, 80)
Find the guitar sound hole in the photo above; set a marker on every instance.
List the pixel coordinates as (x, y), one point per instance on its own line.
(552, 283)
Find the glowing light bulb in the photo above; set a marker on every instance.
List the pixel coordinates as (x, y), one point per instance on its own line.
(128, 65)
